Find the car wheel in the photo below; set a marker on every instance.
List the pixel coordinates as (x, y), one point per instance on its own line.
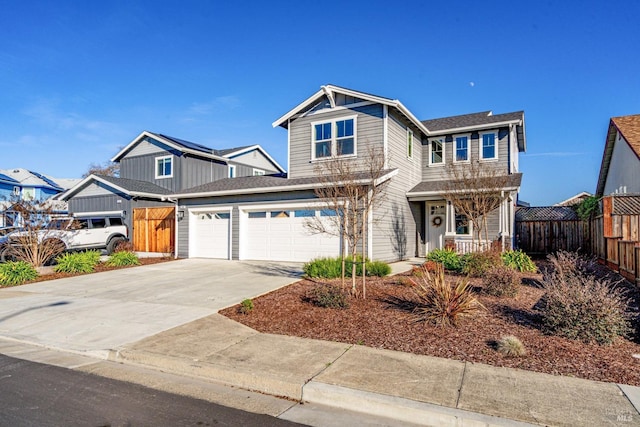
(111, 246)
(5, 254)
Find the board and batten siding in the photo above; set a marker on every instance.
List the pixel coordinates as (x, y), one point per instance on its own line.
(235, 203)
(196, 171)
(369, 132)
(395, 221)
(439, 172)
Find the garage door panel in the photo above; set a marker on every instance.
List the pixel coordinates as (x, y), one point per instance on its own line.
(281, 235)
(210, 235)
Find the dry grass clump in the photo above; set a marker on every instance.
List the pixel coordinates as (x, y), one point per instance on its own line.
(511, 346)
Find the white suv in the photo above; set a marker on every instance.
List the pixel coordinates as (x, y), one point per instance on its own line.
(83, 232)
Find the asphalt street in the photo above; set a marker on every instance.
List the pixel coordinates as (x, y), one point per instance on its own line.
(34, 394)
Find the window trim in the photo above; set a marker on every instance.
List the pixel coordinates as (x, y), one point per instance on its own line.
(455, 228)
(232, 171)
(334, 138)
(455, 148)
(410, 139)
(170, 157)
(442, 142)
(495, 146)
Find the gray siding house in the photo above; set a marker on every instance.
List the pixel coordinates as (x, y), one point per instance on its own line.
(154, 166)
(263, 217)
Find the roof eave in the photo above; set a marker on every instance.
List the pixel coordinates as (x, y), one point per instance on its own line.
(165, 141)
(259, 148)
(477, 127)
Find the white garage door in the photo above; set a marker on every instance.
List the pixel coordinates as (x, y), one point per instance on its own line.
(209, 235)
(281, 235)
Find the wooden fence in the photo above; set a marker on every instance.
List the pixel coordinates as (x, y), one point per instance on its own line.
(154, 229)
(544, 237)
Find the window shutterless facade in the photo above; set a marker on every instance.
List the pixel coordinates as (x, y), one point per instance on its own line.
(232, 171)
(462, 149)
(462, 225)
(436, 151)
(409, 143)
(334, 138)
(488, 146)
(164, 167)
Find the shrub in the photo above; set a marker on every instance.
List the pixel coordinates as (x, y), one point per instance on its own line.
(442, 303)
(378, 268)
(331, 268)
(570, 263)
(121, 259)
(246, 306)
(329, 296)
(501, 281)
(476, 264)
(579, 307)
(518, 260)
(447, 257)
(77, 262)
(588, 208)
(14, 273)
(511, 346)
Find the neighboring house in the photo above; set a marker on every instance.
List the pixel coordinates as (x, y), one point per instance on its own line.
(22, 184)
(153, 166)
(264, 217)
(620, 168)
(574, 200)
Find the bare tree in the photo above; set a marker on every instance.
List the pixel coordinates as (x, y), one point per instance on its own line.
(36, 241)
(350, 187)
(106, 169)
(475, 190)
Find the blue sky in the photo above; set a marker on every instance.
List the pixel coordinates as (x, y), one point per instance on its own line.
(80, 79)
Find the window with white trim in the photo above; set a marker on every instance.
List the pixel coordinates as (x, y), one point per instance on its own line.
(463, 227)
(232, 171)
(436, 151)
(488, 146)
(409, 143)
(462, 149)
(334, 138)
(164, 167)
(258, 172)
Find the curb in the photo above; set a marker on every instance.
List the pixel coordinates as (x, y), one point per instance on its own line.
(261, 382)
(399, 408)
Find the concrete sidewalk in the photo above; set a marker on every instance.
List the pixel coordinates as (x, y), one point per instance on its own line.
(406, 387)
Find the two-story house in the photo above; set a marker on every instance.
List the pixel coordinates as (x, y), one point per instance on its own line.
(153, 166)
(264, 217)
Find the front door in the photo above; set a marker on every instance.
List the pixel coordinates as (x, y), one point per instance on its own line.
(436, 220)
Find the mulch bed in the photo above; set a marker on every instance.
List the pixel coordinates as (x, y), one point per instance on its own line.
(380, 323)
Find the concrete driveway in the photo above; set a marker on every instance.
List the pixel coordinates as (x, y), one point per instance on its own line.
(99, 312)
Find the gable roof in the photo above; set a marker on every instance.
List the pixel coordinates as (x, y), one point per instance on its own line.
(629, 128)
(131, 187)
(175, 143)
(574, 200)
(29, 178)
(230, 153)
(477, 121)
(7, 178)
(261, 184)
(331, 90)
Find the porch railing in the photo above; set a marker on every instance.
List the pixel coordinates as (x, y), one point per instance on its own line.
(466, 246)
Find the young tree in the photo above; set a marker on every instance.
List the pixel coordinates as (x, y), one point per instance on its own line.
(36, 241)
(351, 187)
(475, 190)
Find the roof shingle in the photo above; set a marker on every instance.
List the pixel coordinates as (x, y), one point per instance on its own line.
(629, 127)
(466, 120)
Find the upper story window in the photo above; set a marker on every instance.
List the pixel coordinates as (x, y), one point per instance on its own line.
(28, 193)
(488, 146)
(462, 149)
(334, 138)
(258, 172)
(164, 167)
(436, 151)
(409, 143)
(232, 171)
